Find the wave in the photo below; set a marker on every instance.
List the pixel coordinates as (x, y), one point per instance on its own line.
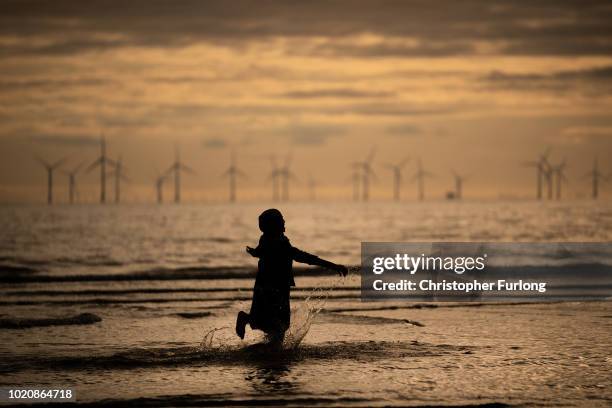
(592, 270)
(110, 301)
(343, 318)
(81, 319)
(364, 351)
(15, 270)
(437, 305)
(193, 315)
(229, 400)
(102, 292)
(186, 273)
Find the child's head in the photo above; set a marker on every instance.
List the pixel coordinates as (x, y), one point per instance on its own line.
(271, 222)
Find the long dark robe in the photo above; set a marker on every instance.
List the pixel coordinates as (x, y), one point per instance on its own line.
(270, 308)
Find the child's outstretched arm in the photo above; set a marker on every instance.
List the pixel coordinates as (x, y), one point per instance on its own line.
(254, 252)
(310, 259)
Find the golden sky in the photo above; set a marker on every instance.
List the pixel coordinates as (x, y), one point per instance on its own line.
(474, 86)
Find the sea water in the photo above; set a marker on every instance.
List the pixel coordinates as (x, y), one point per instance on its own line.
(161, 277)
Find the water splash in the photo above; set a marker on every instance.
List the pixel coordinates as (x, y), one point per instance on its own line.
(304, 314)
(209, 337)
(302, 317)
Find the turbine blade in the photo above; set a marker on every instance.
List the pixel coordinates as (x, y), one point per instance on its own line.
(272, 175)
(188, 169)
(59, 162)
(93, 165)
(77, 168)
(371, 155)
(403, 162)
(169, 171)
(288, 160)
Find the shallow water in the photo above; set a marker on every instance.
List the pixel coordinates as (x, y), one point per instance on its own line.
(354, 353)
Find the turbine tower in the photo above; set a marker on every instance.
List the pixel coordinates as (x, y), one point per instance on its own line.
(558, 177)
(543, 173)
(312, 188)
(72, 190)
(596, 177)
(366, 172)
(101, 161)
(118, 173)
(397, 177)
(274, 175)
(232, 172)
(459, 179)
(50, 167)
(419, 176)
(356, 176)
(285, 175)
(159, 186)
(176, 168)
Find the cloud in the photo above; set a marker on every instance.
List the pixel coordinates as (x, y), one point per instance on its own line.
(20, 85)
(65, 140)
(213, 143)
(384, 49)
(336, 93)
(442, 28)
(404, 130)
(125, 121)
(598, 77)
(190, 110)
(396, 109)
(312, 135)
(588, 131)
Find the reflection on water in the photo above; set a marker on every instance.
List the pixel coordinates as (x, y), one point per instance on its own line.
(273, 377)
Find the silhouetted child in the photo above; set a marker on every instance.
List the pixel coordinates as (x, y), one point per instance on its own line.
(270, 310)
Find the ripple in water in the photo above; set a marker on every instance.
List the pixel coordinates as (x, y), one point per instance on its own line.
(302, 317)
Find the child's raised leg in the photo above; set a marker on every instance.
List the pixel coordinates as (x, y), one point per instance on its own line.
(241, 321)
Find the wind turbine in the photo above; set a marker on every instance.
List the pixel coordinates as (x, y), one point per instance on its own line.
(558, 176)
(285, 174)
(356, 176)
(159, 187)
(459, 179)
(101, 161)
(231, 173)
(274, 176)
(420, 177)
(397, 177)
(596, 177)
(366, 172)
(50, 167)
(542, 172)
(72, 190)
(312, 188)
(118, 172)
(177, 167)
